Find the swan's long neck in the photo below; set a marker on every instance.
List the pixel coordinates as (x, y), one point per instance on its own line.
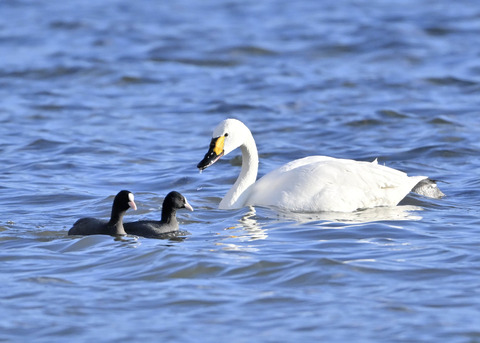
(238, 194)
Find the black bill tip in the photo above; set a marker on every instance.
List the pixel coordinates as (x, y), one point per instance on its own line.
(209, 159)
(213, 154)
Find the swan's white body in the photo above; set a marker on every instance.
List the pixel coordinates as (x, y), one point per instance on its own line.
(311, 184)
(321, 183)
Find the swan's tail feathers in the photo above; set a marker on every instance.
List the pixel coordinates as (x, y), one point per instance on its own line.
(428, 188)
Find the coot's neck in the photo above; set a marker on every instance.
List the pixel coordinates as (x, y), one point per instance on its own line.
(169, 216)
(115, 225)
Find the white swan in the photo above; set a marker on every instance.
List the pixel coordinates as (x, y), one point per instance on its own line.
(310, 184)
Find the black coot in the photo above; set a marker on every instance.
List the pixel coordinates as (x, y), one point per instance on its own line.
(151, 228)
(92, 226)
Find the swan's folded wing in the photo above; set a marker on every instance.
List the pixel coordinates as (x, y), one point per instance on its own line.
(320, 183)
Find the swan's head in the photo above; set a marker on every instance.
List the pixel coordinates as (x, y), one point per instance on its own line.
(227, 136)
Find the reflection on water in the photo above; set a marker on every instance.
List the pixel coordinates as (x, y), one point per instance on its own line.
(248, 229)
(404, 212)
(98, 242)
(251, 226)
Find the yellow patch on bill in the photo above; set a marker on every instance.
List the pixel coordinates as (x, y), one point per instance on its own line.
(219, 145)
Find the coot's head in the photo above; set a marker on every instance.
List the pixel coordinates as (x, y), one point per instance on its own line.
(124, 200)
(175, 201)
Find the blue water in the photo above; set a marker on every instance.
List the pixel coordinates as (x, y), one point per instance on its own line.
(102, 96)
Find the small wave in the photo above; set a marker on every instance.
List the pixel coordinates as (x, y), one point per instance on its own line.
(442, 121)
(438, 31)
(224, 107)
(45, 73)
(365, 122)
(66, 25)
(47, 280)
(247, 50)
(450, 81)
(207, 62)
(392, 114)
(95, 243)
(43, 144)
(137, 80)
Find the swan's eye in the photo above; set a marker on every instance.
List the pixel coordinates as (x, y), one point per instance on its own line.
(226, 135)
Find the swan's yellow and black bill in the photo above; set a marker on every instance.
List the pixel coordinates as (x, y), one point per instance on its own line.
(214, 153)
